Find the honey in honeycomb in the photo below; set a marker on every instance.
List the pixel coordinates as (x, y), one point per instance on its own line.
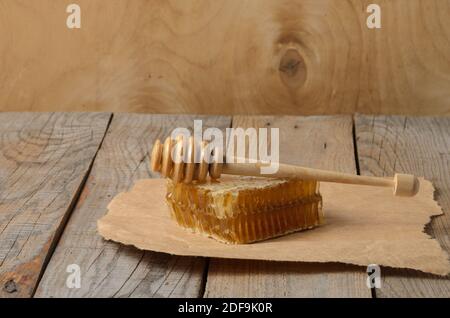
(246, 209)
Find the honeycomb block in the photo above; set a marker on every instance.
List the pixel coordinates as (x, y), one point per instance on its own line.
(241, 210)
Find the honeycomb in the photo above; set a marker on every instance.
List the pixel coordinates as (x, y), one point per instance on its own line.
(242, 210)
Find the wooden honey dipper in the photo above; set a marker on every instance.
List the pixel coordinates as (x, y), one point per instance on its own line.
(161, 161)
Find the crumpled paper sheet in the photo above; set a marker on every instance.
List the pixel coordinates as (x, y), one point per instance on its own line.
(363, 225)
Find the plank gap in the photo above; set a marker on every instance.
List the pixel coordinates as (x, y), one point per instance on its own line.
(70, 209)
(355, 146)
(373, 292)
(204, 278)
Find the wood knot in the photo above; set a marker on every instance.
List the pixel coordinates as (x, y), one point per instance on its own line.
(292, 68)
(10, 286)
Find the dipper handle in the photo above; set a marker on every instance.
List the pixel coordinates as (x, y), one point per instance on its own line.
(186, 163)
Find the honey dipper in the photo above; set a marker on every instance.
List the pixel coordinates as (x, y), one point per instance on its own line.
(161, 161)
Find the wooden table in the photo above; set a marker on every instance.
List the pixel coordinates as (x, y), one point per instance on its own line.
(58, 172)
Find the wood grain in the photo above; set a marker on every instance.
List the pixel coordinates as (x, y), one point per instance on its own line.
(109, 269)
(320, 142)
(226, 56)
(420, 146)
(44, 160)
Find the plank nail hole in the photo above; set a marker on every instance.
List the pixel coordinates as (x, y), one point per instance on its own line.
(325, 145)
(10, 286)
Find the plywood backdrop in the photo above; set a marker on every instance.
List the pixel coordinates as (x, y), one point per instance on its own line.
(226, 57)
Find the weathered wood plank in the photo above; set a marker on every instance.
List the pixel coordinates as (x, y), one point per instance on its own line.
(321, 142)
(421, 146)
(44, 160)
(109, 269)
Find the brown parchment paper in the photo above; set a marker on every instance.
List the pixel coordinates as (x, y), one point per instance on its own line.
(363, 225)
